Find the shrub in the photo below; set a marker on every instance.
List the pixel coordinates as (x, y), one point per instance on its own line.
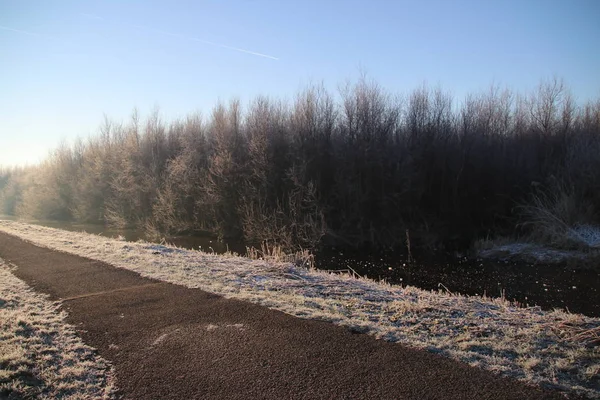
(354, 170)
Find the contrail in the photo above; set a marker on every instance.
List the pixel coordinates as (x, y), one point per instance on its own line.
(234, 48)
(7, 28)
(177, 35)
(195, 39)
(92, 16)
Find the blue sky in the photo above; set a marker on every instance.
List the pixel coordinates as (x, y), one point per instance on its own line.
(64, 64)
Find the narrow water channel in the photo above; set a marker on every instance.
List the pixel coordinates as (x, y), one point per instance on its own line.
(548, 286)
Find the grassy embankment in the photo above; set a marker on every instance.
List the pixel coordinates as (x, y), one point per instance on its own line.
(554, 349)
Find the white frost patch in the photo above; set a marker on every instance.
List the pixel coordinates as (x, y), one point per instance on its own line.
(553, 349)
(239, 327)
(40, 355)
(587, 234)
(160, 249)
(532, 252)
(160, 339)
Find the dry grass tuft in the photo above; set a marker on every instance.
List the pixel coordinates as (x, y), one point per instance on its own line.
(275, 254)
(579, 331)
(559, 217)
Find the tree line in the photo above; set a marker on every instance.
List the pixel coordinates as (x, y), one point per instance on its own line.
(354, 168)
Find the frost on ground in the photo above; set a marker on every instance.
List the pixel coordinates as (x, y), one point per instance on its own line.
(531, 252)
(586, 234)
(553, 349)
(584, 237)
(40, 355)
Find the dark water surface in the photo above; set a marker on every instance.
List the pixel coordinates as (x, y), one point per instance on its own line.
(205, 243)
(547, 286)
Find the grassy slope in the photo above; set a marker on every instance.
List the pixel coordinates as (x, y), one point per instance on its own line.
(40, 355)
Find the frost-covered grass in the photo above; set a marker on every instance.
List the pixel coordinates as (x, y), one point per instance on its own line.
(578, 245)
(552, 349)
(532, 252)
(40, 355)
(586, 255)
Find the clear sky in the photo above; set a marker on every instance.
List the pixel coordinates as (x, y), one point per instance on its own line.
(64, 64)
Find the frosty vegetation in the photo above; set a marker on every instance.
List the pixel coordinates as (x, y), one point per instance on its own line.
(354, 168)
(41, 357)
(554, 349)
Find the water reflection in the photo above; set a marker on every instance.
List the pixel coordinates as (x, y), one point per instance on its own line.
(205, 243)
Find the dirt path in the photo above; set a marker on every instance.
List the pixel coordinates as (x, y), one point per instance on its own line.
(171, 342)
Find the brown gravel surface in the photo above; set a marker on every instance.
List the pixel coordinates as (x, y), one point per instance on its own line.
(170, 342)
